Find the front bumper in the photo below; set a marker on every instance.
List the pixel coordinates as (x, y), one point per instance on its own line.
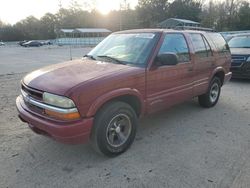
(73, 132)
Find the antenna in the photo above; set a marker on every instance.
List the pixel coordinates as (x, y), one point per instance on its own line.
(120, 16)
(70, 52)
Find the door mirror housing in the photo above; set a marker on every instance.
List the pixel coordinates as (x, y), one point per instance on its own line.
(166, 59)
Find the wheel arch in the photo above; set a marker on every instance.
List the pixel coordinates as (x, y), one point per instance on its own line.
(127, 95)
(220, 73)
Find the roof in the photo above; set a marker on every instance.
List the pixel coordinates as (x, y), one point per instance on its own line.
(234, 32)
(194, 28)
(158, 30)
(91, 30)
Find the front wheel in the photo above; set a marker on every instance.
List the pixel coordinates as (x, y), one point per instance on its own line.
(114, 128)
(210, 98)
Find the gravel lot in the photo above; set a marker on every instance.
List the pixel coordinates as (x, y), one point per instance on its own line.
(15, 59)
(184, 147)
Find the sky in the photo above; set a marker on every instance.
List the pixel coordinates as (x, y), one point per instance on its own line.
(12, 11)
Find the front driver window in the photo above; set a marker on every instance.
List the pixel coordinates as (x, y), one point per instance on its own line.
(176, 43)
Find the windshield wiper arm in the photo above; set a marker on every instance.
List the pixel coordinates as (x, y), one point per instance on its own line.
(89, 56)
(112, 59)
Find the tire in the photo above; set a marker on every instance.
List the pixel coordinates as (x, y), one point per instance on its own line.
(212, 96)
(114, 128)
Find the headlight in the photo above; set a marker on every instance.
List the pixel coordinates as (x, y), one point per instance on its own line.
(57, 100)
(248, 59)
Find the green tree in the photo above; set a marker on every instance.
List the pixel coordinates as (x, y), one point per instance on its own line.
(244, 17)
(29, 27)
(185, 9)
(151, 12)
(221, 15)
(209, 15)
(48, 23)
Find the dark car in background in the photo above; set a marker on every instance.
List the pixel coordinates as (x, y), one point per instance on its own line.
(47, 42)
(32, 44)
(22, 42)
(240, 50)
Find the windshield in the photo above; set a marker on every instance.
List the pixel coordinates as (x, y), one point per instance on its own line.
(132, 48)
(240, 42)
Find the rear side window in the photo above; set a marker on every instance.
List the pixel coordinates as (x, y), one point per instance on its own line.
(176, 43)
(201, 46)
(219, 42)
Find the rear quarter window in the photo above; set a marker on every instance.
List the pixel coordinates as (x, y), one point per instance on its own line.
(220, 43)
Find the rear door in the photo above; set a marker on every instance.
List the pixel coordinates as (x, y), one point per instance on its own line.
(170, 84)
(204, 63)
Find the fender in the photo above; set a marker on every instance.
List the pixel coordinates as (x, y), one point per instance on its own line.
(97, 104)
(216, 70)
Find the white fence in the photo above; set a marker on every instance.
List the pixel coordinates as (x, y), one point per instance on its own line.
(91, 41)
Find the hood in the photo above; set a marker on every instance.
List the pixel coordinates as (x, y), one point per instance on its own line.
(60, 78)
(240, 51)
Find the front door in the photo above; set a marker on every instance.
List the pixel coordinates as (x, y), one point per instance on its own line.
(170, 84)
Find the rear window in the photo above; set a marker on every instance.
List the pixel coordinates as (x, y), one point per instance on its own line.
(219, 42)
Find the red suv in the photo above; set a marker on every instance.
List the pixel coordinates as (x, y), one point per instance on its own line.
(128, 75)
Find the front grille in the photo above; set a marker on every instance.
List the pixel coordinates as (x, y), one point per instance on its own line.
(36, 94)
(238, 60)
(246, 66)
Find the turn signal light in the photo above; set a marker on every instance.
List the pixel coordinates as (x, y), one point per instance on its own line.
(69, 116)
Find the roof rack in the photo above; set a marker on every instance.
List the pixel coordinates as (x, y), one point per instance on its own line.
(194, 28)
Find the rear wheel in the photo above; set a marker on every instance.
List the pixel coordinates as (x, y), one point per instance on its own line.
(114, 128)
(210, 98)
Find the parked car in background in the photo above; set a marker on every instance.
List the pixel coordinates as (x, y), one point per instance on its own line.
(47, 42)
(2, 43)
(32, 44)
(240, 50)
(230, 34)
(128, 75)
(22, 42)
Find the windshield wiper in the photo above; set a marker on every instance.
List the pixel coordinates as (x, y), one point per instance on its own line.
(89, 56)
(112, 59)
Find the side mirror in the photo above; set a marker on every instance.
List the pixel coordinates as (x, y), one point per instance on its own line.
(166, 59)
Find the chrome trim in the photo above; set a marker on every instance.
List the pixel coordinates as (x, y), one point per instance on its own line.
(34, 102)
(238, 60)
